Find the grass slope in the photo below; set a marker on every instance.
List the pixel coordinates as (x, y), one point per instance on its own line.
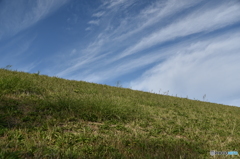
(49, 117)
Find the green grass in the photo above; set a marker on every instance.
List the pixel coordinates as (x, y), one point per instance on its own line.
(49, 117)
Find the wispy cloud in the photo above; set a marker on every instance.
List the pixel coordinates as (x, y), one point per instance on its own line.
(17, 52)
(202, 67)
(21, 46)
(199, 21)
(29, 67)
(95, 22)
(218, 45)
(16, 16)
(120, 32)
(98, 14)
(155, 14)
(104, 72)
(114, 3)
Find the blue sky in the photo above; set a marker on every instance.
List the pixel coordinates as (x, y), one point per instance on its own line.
(186, 48)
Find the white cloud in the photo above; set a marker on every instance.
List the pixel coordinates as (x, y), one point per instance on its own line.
(119, 69)
(95, 22)
(73, 52)
(29, 67)
(156, 13)
(16, 16)
(98, 14)
(21, 47)
(206, 67)
(88, 29)
(81, 61)
(130, 25)
(114, 3)
(201, 21)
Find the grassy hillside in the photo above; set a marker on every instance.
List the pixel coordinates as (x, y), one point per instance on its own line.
(49, 117)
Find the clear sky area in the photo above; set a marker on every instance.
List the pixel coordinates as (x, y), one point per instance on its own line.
(184, 48)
